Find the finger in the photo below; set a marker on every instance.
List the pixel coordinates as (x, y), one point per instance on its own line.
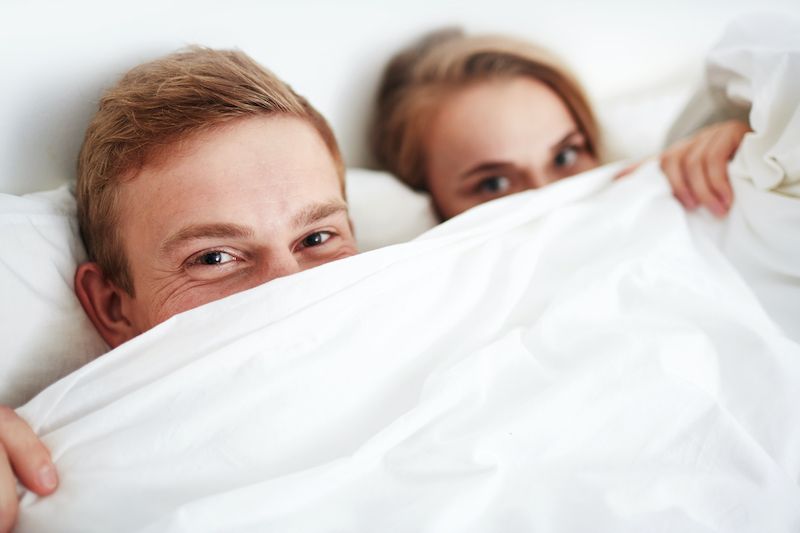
(8, 494)
(694, 169)
(628, 169)
(719, 152)
(726, 139)
(670, 164)
(29, 458)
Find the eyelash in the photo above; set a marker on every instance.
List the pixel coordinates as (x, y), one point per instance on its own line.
(330, 235)
(578, 148)
(482, 187)
(196, 260)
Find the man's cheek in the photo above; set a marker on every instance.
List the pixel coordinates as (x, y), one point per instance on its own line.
(192, 295)
(172, 298)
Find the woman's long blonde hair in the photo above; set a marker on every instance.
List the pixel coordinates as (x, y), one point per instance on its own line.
(417, 79)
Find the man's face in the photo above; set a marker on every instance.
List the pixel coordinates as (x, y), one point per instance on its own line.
(227, 210)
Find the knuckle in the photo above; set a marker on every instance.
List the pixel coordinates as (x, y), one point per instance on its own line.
(704, 195)
(716, 177)
(720, 154)
(674, 177)
(672, 166)
(699, 186)
(692, 159)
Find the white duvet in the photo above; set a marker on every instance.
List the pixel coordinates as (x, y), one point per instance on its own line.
(581, 358)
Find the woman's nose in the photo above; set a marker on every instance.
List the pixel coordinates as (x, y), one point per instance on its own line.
(536, 175)
(534, 178)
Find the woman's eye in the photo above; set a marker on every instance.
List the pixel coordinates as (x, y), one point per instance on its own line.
(494, 185)
(316, 238)
(213, 258)
(567, 156)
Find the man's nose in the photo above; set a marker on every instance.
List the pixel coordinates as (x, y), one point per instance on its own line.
(534, 178)
(279, 265)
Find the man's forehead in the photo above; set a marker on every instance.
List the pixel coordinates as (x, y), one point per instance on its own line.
(283, 153)
(246, 175)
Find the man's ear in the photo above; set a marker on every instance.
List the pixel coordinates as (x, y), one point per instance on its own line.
(102, 301)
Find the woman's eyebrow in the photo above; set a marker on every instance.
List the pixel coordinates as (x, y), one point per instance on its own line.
(487, 166)
(204, 231)
(565, 139)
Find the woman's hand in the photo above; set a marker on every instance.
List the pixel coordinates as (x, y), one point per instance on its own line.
(697, 167)
(21, 452)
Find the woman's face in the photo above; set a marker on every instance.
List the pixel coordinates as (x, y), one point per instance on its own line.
(499, 137)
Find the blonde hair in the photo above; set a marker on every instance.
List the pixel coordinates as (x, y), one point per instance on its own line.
(156, 105)
(417, 79)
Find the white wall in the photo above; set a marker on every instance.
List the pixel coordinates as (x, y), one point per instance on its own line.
(57, 56)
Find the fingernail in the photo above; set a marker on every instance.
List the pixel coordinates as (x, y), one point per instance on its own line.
(48, 477)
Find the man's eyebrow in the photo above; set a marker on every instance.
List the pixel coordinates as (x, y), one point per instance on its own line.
(200, 231)
(316, 212)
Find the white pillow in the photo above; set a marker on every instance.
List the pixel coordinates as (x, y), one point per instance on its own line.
(386, 211)
(634, 125)
(44, 330)
(46, 334)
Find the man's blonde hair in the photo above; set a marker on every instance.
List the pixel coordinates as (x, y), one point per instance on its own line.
(156, 105)
(420, 77)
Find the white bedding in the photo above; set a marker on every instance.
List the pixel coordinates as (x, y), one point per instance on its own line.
(585, 357)
(571, 359)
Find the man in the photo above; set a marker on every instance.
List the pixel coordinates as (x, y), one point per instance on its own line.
(201, 175)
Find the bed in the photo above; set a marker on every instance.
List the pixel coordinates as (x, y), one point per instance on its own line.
(583, 357)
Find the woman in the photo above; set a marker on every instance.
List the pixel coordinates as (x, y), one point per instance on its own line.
(472, 118)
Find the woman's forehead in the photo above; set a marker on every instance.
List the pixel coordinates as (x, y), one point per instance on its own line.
(488, 119)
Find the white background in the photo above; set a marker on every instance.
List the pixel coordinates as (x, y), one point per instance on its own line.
(57, 56)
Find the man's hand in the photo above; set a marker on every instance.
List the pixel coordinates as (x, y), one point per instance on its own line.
(21, 452)
(697, 167)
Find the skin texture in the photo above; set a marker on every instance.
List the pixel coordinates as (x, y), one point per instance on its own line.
(230, 209)
(499, 137)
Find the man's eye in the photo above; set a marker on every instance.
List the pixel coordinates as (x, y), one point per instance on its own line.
(215, 257)
(567, 157)
(494, 185)
(315, 239)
